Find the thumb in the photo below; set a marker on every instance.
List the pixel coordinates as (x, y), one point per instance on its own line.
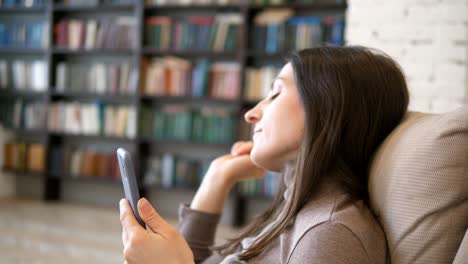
(152, 219)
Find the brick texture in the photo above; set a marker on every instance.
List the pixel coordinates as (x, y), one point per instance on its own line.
(428, 38)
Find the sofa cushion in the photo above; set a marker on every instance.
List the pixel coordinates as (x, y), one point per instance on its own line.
(418, 187)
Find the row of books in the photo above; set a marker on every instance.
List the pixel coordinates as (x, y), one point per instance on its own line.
(24, 156)
(22, 3)
(23, 34)
(99, 78)
(268, 186)
(190, 2)
(92, 119)
(180, 123)
(169, 171)
(213, 33)
(20, 114)
(94, 2)
(106, 33)
(88, 162)
(179, 77)
(23, 75)
(277, 30)
(258, 81)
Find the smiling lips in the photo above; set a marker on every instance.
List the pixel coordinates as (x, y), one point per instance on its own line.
(256, 131)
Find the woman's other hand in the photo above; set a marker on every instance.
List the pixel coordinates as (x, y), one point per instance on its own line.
(163, 245)
(223, 173)
(236, 166)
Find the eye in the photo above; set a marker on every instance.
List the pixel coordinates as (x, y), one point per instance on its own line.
(275, 91)
(274, 96)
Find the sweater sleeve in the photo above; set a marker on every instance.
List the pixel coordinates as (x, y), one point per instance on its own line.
(329, 243)
(198, 228)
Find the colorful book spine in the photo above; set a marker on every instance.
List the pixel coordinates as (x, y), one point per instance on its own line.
(23, 34)
(171, 76)
(115, 33)
(92, 119)
(207, 33)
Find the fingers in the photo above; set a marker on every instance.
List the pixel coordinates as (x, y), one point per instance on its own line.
(241, 148)
(127, 219)
(153, 220)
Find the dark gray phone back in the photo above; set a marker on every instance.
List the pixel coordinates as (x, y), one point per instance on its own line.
(129, 181)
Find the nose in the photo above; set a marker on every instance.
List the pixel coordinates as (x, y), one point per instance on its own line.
(253, 115)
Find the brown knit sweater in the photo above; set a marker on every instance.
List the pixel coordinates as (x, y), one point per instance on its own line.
(333, 228)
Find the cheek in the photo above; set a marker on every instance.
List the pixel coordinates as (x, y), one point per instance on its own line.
(279, 142)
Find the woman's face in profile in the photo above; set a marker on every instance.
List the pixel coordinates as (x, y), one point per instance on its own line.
(278, 123)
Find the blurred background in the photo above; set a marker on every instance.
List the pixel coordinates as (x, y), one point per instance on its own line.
(170, 81)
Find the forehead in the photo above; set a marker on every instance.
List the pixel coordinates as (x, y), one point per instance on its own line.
(286, 74)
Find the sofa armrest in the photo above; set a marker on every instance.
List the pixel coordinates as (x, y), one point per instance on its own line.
(462, 253)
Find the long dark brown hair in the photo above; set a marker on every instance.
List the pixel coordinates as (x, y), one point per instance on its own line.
(353, 97)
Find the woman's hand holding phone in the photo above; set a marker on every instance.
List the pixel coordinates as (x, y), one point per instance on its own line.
(163, 245)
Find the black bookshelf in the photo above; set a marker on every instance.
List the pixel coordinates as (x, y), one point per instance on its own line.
(23, 10)
(21, 50)
(244, 55)
(62, 8)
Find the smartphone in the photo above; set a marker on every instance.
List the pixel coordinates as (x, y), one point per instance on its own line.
(129, 181)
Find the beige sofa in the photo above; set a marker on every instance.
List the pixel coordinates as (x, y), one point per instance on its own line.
(418, 188)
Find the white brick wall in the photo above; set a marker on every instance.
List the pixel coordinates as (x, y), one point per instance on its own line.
(428, 38)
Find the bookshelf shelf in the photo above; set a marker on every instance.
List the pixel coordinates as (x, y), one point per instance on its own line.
(187, 144)
(93, 97)
(194, 7)
(93, 52)
(21, 50)
(189, 100)
(22, 10)
(13, 93)
(26, 132)
(191, 53)
(26, 174)
(91, 137)
(94, 179)
(93, 8)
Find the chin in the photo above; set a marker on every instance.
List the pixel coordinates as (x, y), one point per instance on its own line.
(264, 161)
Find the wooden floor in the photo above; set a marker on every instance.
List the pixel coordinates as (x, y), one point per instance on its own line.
(38, 232)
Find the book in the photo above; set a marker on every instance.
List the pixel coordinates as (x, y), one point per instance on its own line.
(172, 76)
(35, 157)
(92, 119)
(95, 78)
(259, 81)
(9, 155)
(23, 34)
(105, 33)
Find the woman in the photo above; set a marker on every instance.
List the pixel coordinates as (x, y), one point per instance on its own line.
(328, 110)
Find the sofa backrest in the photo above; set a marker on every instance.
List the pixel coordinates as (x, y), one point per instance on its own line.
(418, 187)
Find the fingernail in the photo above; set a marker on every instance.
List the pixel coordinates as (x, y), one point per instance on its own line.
(145, 206)
(121, 203)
